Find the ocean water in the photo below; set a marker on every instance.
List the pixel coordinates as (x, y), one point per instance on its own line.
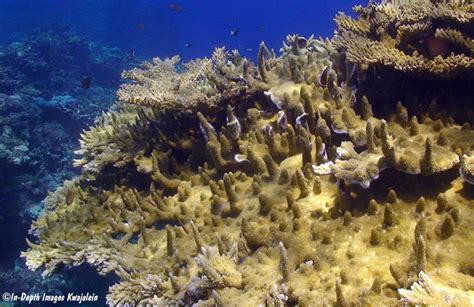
(49, 47)
(155, 30)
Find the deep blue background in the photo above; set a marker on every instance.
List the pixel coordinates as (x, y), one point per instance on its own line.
(203, 23)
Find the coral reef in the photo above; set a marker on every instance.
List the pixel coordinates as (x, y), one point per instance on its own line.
(198, 84)
(425, 292)
(51, 58)
(25, 280)
(410, 51)
(39, 122)
(43, 108)
(424, 36)
(47, 66)
(281, 187)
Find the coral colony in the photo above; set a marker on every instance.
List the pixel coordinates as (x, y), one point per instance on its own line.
(42, 111)
(301, 180)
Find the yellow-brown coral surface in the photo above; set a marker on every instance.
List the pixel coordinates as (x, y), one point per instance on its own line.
(419, 36)
(226, 184)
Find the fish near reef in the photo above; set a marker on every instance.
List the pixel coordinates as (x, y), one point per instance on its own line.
(235, 32)
(437, 46)
(131, 54)
(175, 7)
(69, 197)
(86, 83)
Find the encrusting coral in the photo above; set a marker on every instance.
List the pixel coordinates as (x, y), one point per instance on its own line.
(210, 197)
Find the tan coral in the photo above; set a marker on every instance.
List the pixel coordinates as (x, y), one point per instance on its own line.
(467, 169)
(220, 269)
(426, 292)
(219, 206)
(200, 84)
(407, 36)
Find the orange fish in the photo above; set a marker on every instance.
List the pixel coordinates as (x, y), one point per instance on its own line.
(86, 83)
(437, 46)
(69, 197)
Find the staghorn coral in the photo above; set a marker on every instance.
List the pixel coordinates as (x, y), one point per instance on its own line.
(220, 206)
(422, 37)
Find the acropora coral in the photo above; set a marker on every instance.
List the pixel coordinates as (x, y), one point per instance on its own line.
(422, 36)
(218, 183)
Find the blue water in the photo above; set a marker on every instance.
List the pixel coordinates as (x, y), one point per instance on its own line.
(149, 28)
(204, 24)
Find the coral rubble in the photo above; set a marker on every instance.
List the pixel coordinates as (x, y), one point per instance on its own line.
(221, 183)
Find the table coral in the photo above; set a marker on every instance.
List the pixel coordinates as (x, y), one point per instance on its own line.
(212, 199)
(422, 36)
(198, 84)
(467, 169)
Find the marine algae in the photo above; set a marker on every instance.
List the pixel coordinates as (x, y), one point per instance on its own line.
(221, 183)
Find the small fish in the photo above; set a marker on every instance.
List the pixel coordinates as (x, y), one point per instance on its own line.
(301, 121)
(240, 158)
(249, 49)
(269, 131)
(86, 82)
(324, 76)
(131, 54)
(282, 121)
(235, 32)
(141, 26)
(188, 45)
(175, 7)
(69, 197)
(437, 46)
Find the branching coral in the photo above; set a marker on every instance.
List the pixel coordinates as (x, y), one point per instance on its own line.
(426, 292)
(467, 168)
(410, 147)
(197, 85)
(220, 206)
(108, 142)
(423, 36)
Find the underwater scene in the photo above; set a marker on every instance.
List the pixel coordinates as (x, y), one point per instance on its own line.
(236, 153)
